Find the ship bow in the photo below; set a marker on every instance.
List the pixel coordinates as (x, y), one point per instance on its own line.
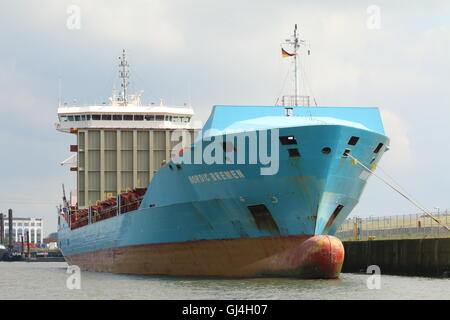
(318, 257)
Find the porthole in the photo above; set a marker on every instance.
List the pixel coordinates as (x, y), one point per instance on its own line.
(326, 150)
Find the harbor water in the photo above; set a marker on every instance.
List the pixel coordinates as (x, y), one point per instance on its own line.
(50, 280)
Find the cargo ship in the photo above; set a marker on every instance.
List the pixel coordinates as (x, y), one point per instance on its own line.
(259, 191)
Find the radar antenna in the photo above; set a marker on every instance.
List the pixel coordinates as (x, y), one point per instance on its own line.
(124, 75)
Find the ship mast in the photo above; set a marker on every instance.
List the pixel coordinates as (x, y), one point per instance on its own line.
(296, 46)
(295, 42)
(124, 74)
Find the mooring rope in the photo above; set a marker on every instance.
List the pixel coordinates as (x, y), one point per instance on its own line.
(401, 193)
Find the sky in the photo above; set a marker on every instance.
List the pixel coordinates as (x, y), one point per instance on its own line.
(387, 54)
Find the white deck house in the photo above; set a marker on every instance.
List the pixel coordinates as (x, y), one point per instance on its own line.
(120, 145)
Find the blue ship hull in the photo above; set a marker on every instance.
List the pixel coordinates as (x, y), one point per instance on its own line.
(231, 219)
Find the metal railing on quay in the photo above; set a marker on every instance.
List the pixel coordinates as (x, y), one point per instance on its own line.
(409, 226)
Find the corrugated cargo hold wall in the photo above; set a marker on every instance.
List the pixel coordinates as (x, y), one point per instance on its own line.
(113, 161)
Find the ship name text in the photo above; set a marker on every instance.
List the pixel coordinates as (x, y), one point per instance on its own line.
(216, 176)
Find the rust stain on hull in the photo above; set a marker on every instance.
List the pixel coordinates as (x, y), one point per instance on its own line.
(318, 256)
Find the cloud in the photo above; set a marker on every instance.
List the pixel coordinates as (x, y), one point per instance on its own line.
(152, 25)
(21, 102)
(397, 130)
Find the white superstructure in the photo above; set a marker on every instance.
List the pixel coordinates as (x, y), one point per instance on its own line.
(124, 111)
(122, 143)
(130, 116)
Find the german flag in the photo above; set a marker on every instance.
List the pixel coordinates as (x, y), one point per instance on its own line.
(285, 54)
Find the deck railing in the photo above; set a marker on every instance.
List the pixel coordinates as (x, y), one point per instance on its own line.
(106, 209)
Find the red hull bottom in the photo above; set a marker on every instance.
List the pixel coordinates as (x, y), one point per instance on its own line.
(306, 257)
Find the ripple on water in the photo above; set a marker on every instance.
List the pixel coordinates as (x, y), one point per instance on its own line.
(47, 280)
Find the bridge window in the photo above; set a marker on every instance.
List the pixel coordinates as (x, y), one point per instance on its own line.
(88, 117)
(127, 117)
(63, 118)
(70, 118)
(83, 118)
(117, 117)
(159, 118)
(106, 117)
(77, 118)
(96, 117)
(149, 118)
(138, 117)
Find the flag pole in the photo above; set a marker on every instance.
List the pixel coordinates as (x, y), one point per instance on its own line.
(296, 65)
(295, 42)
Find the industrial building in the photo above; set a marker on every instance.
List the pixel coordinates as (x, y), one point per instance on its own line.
(20, 226)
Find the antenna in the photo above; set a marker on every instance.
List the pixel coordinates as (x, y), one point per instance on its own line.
(124, 75)
(295, 42)
(296, 46)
